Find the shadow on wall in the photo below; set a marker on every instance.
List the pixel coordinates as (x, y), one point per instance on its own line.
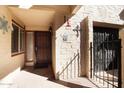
(122, 15)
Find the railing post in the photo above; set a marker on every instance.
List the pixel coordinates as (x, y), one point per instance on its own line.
(73, 66)
(91, 60)
(119, 65)
(78, 62)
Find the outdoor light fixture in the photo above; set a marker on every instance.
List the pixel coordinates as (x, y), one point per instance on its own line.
(68, 25)
(65, 37)
(50, 28)
(77, 29)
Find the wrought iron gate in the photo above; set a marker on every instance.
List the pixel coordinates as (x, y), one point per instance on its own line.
(106, 53)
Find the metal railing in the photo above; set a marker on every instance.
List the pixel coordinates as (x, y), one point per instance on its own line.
(72, 68)
(105, 52)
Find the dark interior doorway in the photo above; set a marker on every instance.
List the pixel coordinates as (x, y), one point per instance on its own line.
(43, 49)
(106, 61)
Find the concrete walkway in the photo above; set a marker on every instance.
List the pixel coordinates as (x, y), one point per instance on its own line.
(42, 78)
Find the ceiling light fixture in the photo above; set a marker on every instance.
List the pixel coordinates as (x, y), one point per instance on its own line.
(25, 6)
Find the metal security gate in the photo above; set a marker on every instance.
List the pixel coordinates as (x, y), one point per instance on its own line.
(105, 64)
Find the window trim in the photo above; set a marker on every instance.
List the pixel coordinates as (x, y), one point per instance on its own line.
(19, 52)
(22, 47)
(15, 54)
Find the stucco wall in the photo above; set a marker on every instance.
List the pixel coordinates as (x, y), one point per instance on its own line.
(8, 63)
(30, 46)
(122, 54)
(37, 28)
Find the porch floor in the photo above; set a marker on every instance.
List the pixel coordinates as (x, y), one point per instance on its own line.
(43, 78)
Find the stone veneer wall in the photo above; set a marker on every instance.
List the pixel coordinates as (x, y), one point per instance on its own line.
(122, 54)
(66, 50)
(104, 14)
(67, 53)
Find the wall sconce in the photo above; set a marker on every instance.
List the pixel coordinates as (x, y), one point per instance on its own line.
(65, 37)
(77, 29)
(50, 28)
(68, 25)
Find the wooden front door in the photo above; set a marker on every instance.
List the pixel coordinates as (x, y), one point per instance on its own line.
(42, 48)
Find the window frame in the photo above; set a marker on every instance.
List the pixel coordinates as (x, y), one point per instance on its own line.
(12, 33)
(19, 51)
(22, 33)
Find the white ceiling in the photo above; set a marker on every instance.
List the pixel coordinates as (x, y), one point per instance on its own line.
(40, 16)
(33, 17)
(57, 8)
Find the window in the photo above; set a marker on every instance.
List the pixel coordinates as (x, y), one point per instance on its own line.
(15, 33)
(22, 39)
(17, 39)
